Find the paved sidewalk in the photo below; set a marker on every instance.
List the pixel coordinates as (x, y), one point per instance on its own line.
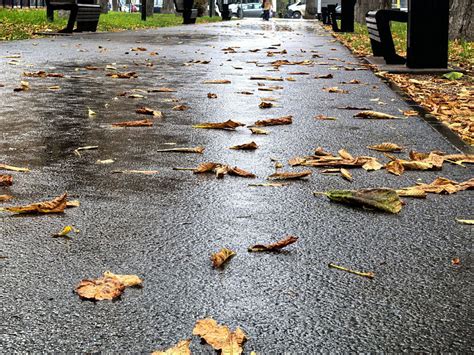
(163, 227)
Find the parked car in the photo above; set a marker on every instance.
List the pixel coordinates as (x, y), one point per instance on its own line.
(297, 9)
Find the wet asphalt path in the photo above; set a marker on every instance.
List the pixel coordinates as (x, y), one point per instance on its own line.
(163, 227)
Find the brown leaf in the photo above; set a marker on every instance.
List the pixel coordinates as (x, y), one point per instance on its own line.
(228, 125)
(144, 172)
(324, 118)
(296, 161)
(182, 348)
(240, 172)
(245, 92)
(180, 108)
(139, 123)
(198, 150)
(264, 104)
(415, 193)
(274, 246)
(220, 337)
(353, 108)
(245, 146)
(161, 90)
(383, 199)
(319, 151)
(219, 258)
(344, 154)
(374, 114)
(335, 90)
(218, 81)
(138, 49)
(56, 205)
(298, 73)
(211, 95)
(290, 175)
(100, 289)
(43, 74)
(6, 180)
(266, 78)
(222, 169)
(256, 130)
(395, 167)
(127, 75)
(275, 121)
(410, 113)
(4, 198)
(386, 147)
(346, 174)
(148, 111)
(325, 76)
(455, 261)
(24, 86)
(126, 280)
(353, 81)
(372, 165)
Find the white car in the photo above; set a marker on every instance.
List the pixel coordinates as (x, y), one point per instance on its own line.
(297, 9)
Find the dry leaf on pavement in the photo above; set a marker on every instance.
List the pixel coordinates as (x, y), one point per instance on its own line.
(290, 175)
(161, 90)
(4, 198)
(180, 108)
(395, 167)
(99, 289)
(56, 205)
(336, 90)
(219, 81)
(89, 147)
(198, 150)
(245, 146)
(126, 280)
(344, 154)
(266, 78)
(220, 337)
(414, 193)
(346, 174)
(324, 118)
(386, 147)
(229, 125)
(383, 199)
(275, 121)
(353, 108)
(13, 168)
(139, 123)
(369, 275)
(265, 104)
(219, 258)
(127, 75)
(65, 231)
(269, 184)
(182, 348)
(374, 114)
(43, 74)
(274, 246)
(6, 180)
(148, 111)
(372, 165)
(325, 76)
(211, 95)
(466, 221)
(256, 130)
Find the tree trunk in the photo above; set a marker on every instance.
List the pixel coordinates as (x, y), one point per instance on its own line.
(461, 14)
(363, 6)
(311, 10)
(104, 8)
(115, 6)
(150, 4)
(168, 7)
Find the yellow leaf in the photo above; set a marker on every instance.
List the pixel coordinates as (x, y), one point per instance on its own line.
(386, 147)
(13, 168)
(220, 337)
(369, 275)
(256, 130)
(372, 165)
(346, 174)
(228, 125)
(100, 289)
(126, 280)
(219, 258)
(466, 221)
(56, 205)
(374, 114)
(182, 348)
(65, 231)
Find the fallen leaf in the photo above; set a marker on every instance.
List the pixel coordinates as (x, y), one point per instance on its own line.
(138, 49)
(335, 90)
(180, 108)
(410, 113)
(256, 130)
(211, 95)
(126, 280)
(298, 73)
(454, 75)
(43, 74)
(275, 121)
(73, 203)
(386, 147)
(218, 81)
(266, 78)
(290, 175)
(466, 221)
(346, 174)
(220, 337)
(136, 96)
(353, 81)
(144, 172)
(395, 167)
(13, 168)
(89, 147)
(274, 246)
(290, 79)
(372, 165)
(228, 125)
(455, 261)
(383, 199)
(24, 86)
(161, 90)
(264, 104)
(56, 205)
(374, 114)
(100, 289)
(245, 92)
(344, 154)
(54, 87)
(6, 180)
(4, 198)
(198, 150)
(369, 275)
(182, 348)
(245, 146)
(148, 111)
(90, 113)
(324, 118)
(414, 193)
(127, 75)
(353, 108)
(139, 123)
(219, 258)
(269, 184)
(325, 76)
(65, 231)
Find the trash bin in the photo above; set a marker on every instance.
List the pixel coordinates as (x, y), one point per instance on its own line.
(427, 37)
(347, 15)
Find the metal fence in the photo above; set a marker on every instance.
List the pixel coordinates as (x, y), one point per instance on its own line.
(23, 3)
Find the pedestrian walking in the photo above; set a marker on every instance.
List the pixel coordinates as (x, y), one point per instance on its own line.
(267, 7)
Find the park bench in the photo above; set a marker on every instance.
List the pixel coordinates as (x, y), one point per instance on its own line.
(186, 8)
(85, 14)
(381, 40)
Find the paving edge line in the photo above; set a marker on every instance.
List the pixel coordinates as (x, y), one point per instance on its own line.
(425, 115)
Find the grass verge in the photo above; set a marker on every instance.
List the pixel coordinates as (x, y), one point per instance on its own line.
(22, 24)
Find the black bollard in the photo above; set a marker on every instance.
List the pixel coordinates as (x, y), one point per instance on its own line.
(143, 9)
(187, 12)
(347, 15)
(427, 39)
(324, 15)
(331, 15)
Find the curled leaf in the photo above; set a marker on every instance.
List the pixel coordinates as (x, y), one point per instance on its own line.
(219, 81)
(266, 78)
(56, 205)
(335, 90)
(65, 231)
(180, 108)
(139, 123)
(324, 76)
(395, 167)
(386, 147)
(4, 198)
(161, 90)
(89, 147)
(228, 125)
(290, 175)
(126, 280)
(148, 111)
(6, 180)
(324, 118)
(346, 174)
(198, 150)
(265, 104)
(344, 154)
(222, 256)
(182, 348)
(374, 114)
(220, 337)
(382, 199)
(414, 193)
(100, 289)
(126, 75)
(274, 246)
(466, 221)
(275, 121)
(245, 146)
(256, 130)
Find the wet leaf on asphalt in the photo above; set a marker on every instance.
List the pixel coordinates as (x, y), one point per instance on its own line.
(4, 198)
(290, 175)
(6, 180)
(13, 168)
(220, 337)
(466, 221)
(126, 280)
(395, 167)
(228, 125)
(324, 118)
(274, 246)
(375, 115)
(182, 348)
(275, 121)
(57, 205)
(65, 231)
(148, 111)
(197, 150)
(222, 256)
(266, 78)
(138, 123)
(256, 130)
(126, 75)
(265, 104)
(382, 199)
(163, 89)
(386, 147)
(369, 275)
(218, 81)
(245, 146)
